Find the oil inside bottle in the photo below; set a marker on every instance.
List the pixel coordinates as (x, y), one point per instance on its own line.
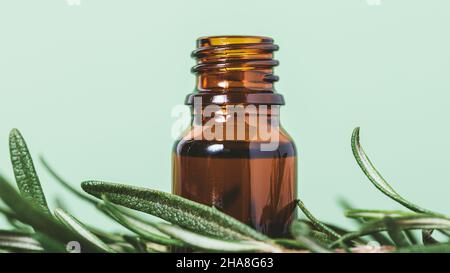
(238, 178)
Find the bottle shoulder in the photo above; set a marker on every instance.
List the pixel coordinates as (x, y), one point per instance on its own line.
(231, 149)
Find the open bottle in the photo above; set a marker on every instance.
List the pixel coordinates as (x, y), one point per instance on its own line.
(235, 155)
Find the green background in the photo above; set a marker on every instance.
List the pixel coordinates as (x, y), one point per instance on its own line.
(92, 88)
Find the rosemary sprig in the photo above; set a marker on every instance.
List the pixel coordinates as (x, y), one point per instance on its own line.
(144, 229)
(300, 231)
(319, 225)
(396, 233)
(437, 248)
(27, 212)
(36, 229)
(77, 227)
(199, 241)
(377, 180)
(402, 223)
(177, 210)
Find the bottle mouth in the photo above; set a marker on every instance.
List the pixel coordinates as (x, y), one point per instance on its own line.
(235, 53)
(208, 41)
(235, 69)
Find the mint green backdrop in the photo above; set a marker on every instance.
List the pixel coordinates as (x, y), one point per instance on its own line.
(92, 86)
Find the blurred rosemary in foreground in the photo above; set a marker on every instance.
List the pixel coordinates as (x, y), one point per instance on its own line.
(35, 227)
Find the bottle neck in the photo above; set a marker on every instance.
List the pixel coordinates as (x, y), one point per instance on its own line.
(235, 69)
(238, 123)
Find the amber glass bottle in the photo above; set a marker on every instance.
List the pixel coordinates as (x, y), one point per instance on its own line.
(235, 155)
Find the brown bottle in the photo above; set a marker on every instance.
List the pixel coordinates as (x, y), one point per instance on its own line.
(235, 155)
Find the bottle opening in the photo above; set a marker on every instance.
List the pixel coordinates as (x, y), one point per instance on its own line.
(232, 40)
(232, 68)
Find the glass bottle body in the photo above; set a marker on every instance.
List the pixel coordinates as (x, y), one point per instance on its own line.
(245, 178)
(235, 155)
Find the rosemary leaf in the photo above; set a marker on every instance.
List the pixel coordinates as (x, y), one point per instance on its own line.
(174, 209)
(376, 214)
(403, 223)
(122, 247)
(18, 241)
(311, 245)
(156, 248)
(19, 246)
(48, 244)
(376, 178)
(107, 237)
(396, 233)
(300, 231)
(317, 224)
(12, 219)
(136, 242)
(379, 237)
(320, 237)
(299, 227)
(142, 228)
(27, 213)
(7, 213)
(289, 243)
(438, 248)
(26, 177)
(18, 233)
(427, 239)
(411, 237)
(216, 245)
(77, 227)
(144, 246)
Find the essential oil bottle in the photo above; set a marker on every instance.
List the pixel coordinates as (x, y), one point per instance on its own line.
(235, 155)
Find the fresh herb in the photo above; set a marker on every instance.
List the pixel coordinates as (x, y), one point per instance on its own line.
(190, 225)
